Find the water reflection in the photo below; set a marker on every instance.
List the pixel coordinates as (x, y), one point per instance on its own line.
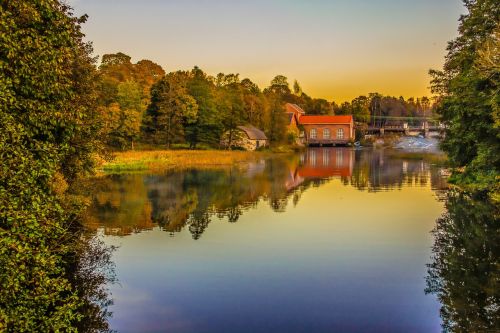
(465, 272)
(327, 240)
(127, 204)
(91, 272)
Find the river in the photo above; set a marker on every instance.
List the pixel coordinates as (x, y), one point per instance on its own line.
(326, 240)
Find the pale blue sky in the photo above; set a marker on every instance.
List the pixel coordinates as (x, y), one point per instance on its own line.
(336, 49)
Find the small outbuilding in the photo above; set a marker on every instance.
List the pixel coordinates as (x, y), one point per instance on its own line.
(245, 137)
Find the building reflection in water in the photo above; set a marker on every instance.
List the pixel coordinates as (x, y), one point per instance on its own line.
(463, 274)
(126, 204)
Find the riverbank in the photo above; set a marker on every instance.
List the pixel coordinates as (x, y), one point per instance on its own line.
(161, 160)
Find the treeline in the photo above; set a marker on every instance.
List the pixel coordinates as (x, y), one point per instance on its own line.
(140, 102)
(382, 110)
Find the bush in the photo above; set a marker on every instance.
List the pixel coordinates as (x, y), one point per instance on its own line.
(48, 128)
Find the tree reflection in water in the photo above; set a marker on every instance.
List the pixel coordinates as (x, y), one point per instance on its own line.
(465, 272)
(127, 204)
(92, 272)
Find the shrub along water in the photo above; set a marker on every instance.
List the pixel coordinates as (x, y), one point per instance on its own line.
(47, 126)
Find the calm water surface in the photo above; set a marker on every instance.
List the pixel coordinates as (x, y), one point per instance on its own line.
(329, 240)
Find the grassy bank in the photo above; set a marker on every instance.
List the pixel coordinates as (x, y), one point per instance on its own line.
(160, 160)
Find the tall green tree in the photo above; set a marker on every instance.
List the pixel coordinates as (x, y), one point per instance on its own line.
(360, 107)
(230, 104)
(48, 126)
(279, 85)
(277, 94)
(276, 121)
(126, 127)
(207, 127)
(255, 105)
(468, 92)
(297, 89)
(171, 109)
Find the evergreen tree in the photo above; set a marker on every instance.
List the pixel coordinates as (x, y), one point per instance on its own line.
(170, 110)
(207, 127)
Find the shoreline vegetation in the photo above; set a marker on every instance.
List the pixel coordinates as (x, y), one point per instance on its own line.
(160, 160)
(163, 160)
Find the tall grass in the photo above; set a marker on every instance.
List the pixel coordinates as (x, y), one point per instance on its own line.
(158, 160)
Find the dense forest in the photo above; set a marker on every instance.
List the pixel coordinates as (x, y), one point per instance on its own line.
(140, 102)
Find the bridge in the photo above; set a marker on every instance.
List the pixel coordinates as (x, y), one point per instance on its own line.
(407, 125)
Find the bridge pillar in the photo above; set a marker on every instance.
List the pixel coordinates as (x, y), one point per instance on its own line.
(382, 131)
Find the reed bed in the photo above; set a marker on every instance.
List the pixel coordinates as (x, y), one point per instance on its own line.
(158, 160)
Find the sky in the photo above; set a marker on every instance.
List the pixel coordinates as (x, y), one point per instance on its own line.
(335, 49)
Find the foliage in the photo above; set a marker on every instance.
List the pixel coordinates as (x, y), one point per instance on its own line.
(202, 108)
(49, 130)
(207, 126)
(465, 272)
(161, 160)
(171, 109)
(469, 98)
(380, 110)
(124, 93)
(121, 120)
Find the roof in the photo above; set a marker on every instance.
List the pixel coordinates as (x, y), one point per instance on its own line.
(325, 120)
(253, 133)
(294, 108)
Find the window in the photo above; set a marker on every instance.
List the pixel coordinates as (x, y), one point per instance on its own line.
(313, 133)
(340, 133)
(258, 144)
(326, 133)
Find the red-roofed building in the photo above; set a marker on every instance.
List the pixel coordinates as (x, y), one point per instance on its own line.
(327, 130)
(295, 109)
(293, 114)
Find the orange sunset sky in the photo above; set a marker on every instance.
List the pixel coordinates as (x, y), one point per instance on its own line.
(336, 49)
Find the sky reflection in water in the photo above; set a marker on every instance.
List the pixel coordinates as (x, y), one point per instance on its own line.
(331, 240)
